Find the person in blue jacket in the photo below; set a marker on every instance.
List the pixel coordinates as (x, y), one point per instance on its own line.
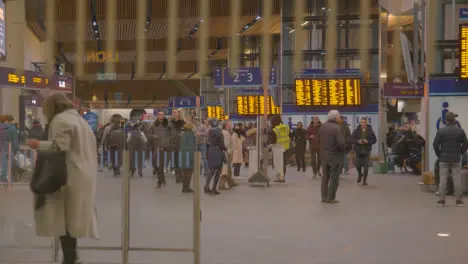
(8, 135)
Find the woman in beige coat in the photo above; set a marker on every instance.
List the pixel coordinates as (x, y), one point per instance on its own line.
(237, 153)
(69, 213)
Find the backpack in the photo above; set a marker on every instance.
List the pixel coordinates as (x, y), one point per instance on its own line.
(116, 138)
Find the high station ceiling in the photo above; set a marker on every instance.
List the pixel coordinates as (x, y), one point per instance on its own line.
(219, 26)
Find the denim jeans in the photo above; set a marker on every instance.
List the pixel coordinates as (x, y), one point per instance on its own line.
(202, 148)
(345, 168)
(4, 165)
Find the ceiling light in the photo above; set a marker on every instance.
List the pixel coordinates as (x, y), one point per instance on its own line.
(305, 23)
(323, 8)
(291, 31)
(443, 234)
(201, 20)
(257, 18)
(147, 22)
(94, 23)
(95, 31)
(97, 37)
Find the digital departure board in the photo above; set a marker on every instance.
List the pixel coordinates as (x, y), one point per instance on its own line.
(254, 105)
(337, 92)
(463, 48)
(216, 112)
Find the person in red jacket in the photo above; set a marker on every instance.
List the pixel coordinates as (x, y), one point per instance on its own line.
(314, 145)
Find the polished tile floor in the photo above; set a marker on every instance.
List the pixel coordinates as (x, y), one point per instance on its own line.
(388, 222)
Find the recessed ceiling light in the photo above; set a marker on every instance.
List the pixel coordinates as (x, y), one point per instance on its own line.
(443, 234)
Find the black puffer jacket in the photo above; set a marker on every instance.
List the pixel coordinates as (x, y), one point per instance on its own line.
(160, 134)
(176, 127)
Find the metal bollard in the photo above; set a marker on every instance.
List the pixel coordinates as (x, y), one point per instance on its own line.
(125, 206)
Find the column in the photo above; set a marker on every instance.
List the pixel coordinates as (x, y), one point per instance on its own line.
(287, 39)
(440, 35)
(374, 63)
(15, 44)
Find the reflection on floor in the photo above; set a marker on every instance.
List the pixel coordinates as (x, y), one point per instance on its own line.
(388, 222)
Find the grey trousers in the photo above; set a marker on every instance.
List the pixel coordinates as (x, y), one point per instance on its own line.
(456, 177)
(330, 180)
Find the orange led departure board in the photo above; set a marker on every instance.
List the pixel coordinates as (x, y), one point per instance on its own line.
(216, 112)
(254, 105)
(328, 92)
(463, 48)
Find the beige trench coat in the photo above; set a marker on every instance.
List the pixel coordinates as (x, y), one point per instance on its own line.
(71, 208)
(237, 155)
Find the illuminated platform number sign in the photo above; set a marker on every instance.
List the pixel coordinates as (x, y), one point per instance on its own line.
(328, 92)
(216, 112)
(463, 48)
(254, 105)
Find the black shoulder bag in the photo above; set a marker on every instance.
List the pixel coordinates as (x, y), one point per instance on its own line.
(50, 172)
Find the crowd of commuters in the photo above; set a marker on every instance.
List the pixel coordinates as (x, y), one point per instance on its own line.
(69, 211)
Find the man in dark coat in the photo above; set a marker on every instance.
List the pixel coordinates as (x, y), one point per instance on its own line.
(363, 138)
(300, 139)
(159, 140)
(176, 126)
(449, 145)
(314, 145)
(36, 131)
(332, 148)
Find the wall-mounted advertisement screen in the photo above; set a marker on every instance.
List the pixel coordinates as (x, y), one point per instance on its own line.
(2, 31)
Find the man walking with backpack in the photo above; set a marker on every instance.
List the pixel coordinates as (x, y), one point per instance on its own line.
(136, 141)
(116, 143)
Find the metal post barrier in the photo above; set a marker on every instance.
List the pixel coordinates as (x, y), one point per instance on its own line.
(196, 210)
(125, 206)
(55, 249)
(9, 159)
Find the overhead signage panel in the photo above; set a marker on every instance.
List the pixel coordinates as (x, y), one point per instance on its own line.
(339, 92)
(253, 105)
(185, 102)
(463, 49)
(244, 77)
(32, 80)
(402, 90)
(216, 112)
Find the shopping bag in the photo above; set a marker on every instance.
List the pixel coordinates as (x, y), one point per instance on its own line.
(23, 162)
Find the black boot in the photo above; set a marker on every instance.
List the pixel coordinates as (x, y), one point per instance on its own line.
(207, 189)
(364, 182)
(187, 178)
(68, 244)
(214, 191)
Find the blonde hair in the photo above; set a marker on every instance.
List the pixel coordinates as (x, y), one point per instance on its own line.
(55, 104)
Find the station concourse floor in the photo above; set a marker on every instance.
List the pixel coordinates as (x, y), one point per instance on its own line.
(388, 222)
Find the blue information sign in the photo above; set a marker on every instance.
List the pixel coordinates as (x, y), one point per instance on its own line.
(244, 77)
(185, 102)
(92, 119)
(463, 13)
